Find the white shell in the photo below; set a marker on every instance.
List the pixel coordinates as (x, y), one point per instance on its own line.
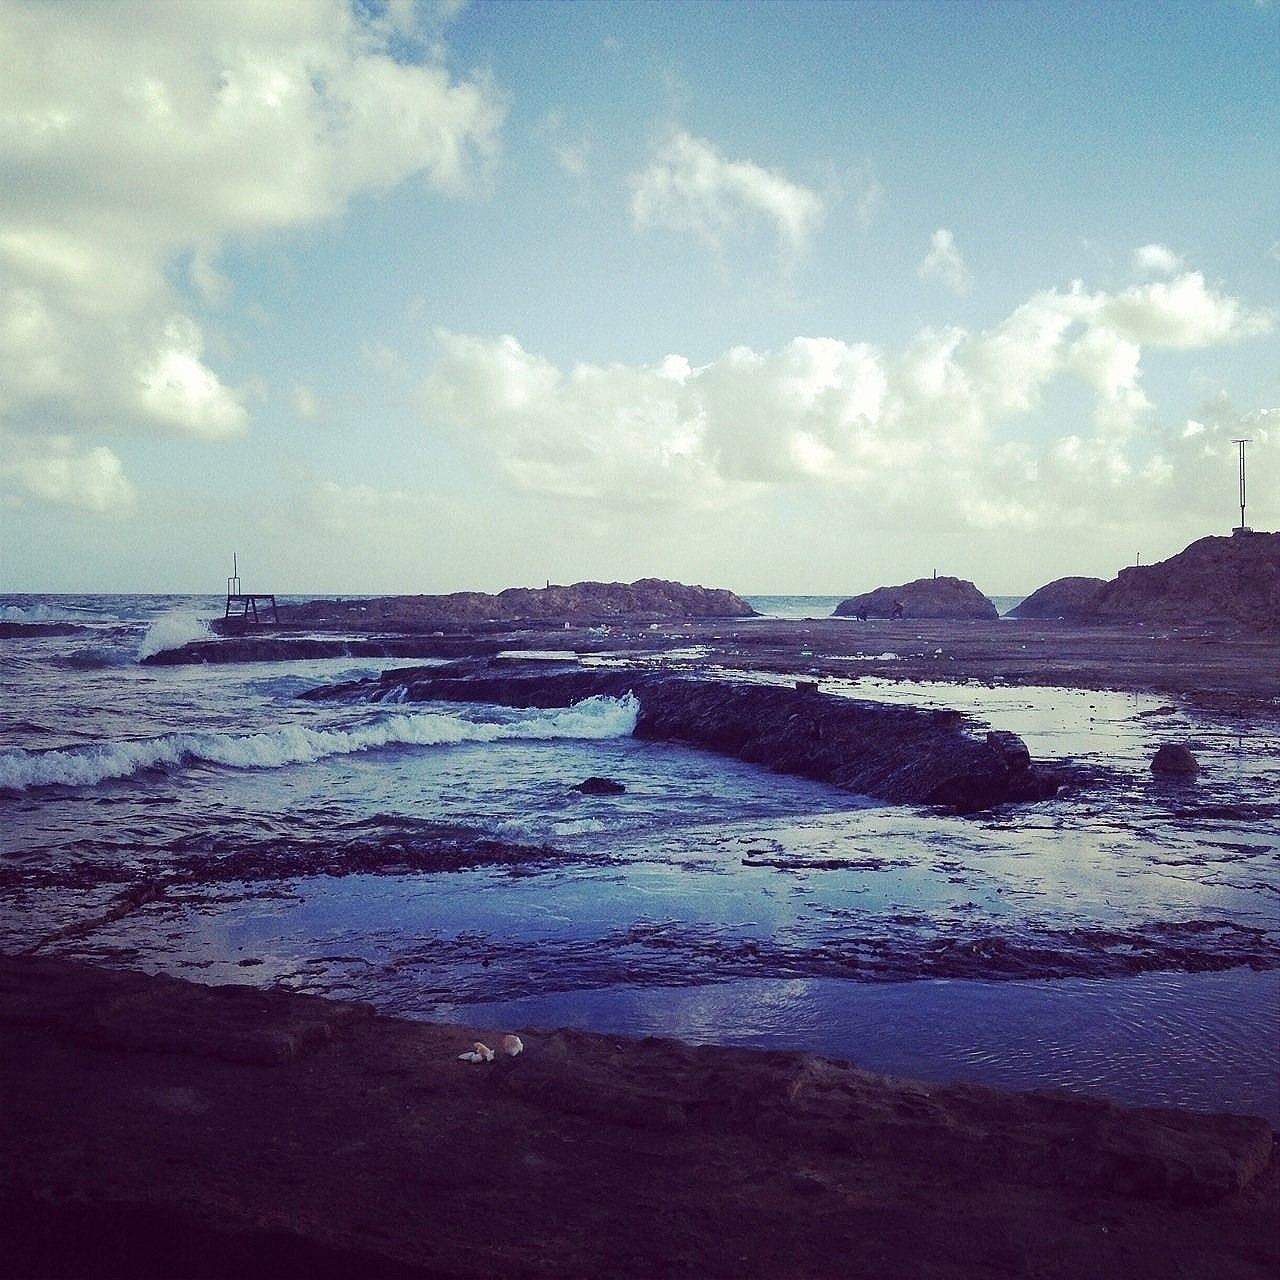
(470, 1057)
(511, 1045)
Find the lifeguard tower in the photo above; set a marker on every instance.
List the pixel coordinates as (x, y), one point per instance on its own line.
(242, 611)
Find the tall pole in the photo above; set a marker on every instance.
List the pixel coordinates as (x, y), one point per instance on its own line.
(1240, 444)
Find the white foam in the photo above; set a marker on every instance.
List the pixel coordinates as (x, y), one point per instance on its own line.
(593, 718)
(43, 613)
(172, 631)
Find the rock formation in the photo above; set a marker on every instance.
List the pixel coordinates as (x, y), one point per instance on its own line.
(582, 603)
(1175, 759)
(924, 598)
(1070, 599)
(906, 755)
(1214, 579)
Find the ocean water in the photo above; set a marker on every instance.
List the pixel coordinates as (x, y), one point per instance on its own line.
(436, 860)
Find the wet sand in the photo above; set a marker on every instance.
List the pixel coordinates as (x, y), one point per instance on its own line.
(156, 1127)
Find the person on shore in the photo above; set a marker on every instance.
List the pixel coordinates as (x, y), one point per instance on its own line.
(898, 609)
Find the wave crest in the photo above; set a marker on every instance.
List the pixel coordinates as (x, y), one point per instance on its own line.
(592, 718)
(172, 631)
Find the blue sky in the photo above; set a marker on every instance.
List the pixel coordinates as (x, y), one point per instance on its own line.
(779, 297)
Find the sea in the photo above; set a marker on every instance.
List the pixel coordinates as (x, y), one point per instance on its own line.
(1123, 940)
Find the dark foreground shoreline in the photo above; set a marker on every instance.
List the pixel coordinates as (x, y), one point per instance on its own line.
(156, 1127)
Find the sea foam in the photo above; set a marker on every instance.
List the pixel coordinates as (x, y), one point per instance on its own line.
(593, 718)
(172, 631)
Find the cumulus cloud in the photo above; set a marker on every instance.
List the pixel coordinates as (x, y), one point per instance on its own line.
(1155, 260)
(136, 140)
(55, 470)
(1183, 312)
(689, 186)
(944, 262)
(929, 425)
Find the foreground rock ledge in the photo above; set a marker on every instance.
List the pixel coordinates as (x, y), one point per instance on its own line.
(154, 1127)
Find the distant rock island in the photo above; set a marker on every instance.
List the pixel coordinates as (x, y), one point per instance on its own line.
(1215, 579)
(924, 598)
(582, 603)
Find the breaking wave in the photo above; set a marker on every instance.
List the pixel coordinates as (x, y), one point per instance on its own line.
(171, 632)
(34, 613)
(595, 718)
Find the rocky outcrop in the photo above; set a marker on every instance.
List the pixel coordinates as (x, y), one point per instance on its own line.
(1175, 760)
(269, 646)
(1069, 599)
(906, 755)
(925, 598)
(1214, 579)
(582, 603)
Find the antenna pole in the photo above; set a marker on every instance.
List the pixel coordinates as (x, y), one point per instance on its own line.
(1240, 444)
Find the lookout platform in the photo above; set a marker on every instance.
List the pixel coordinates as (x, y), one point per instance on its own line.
(246, 609)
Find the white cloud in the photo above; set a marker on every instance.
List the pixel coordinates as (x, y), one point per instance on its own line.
(944, 262)
(56, 471)
(1155, 260)
(925, 429)
(689, 186)
(305, 402)
(1183, 312)
(137, 137)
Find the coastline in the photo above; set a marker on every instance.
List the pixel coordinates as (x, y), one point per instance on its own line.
(159, 1127)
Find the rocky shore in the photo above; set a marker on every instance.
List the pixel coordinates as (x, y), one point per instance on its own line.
(901, 754)
(156, 1128)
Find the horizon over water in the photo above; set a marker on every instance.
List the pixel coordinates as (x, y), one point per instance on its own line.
(712, 900)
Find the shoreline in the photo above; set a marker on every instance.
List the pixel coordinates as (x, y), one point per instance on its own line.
(160, 1127)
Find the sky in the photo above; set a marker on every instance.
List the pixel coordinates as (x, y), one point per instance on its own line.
(780, 297)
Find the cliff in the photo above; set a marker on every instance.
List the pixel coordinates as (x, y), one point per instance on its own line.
(924, 598)
(581, 603)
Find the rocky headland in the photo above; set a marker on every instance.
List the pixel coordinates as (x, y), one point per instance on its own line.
(1236, 578)
(1214, 580)
(158, 1128)
(924, 598)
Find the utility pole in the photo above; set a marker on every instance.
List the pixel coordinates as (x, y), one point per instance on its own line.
(1240, 444)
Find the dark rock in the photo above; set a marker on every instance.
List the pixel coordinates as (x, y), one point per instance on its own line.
(924, 598)
(273, 647)
(1013, 751)
(594, 786)
(907, 755)
(1214, 579)
(582, 603)
(1176, 759)
(1069, 599)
